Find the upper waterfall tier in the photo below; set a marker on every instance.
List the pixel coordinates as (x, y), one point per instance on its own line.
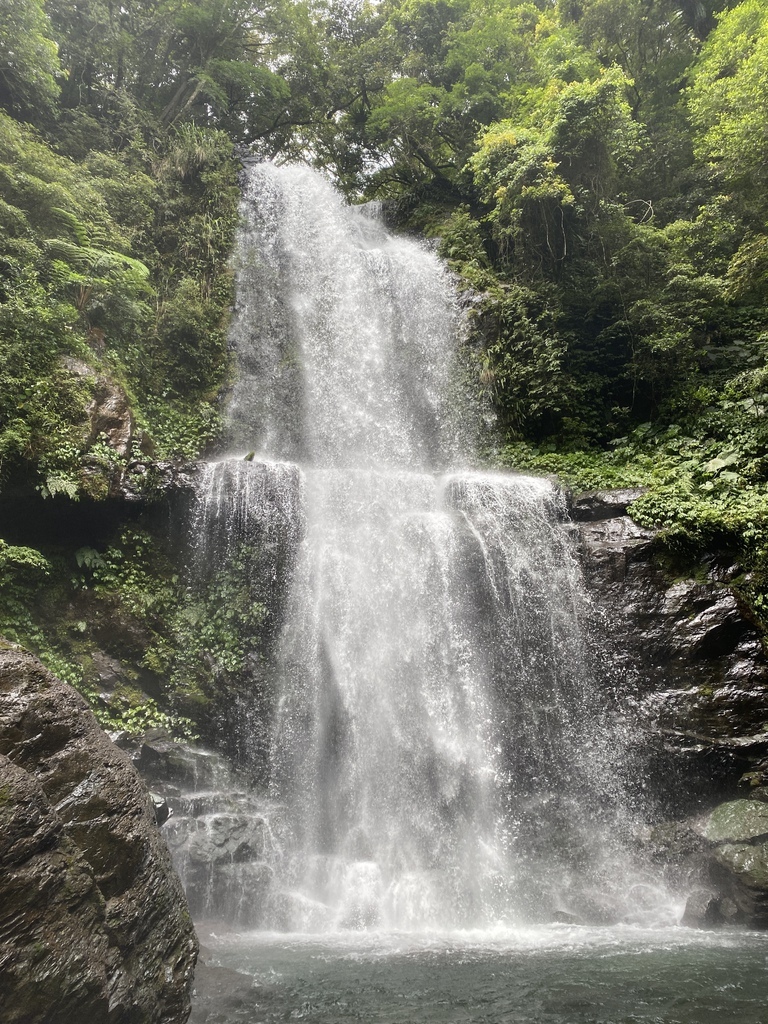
(344, 334)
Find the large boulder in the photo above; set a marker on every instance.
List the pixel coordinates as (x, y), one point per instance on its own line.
(93, 922)
(735, 878)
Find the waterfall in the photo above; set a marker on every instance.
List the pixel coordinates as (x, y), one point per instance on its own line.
(438, 754)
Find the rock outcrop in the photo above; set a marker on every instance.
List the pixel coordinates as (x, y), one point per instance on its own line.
(219, 836)
(93, 922)
(731, 867)
(688, 655)
(692, 664)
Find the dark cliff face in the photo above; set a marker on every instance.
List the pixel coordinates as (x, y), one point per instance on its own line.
(93, 922)
(686, 652)
(692, 664)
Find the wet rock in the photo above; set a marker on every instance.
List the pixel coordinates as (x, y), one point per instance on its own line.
(676, 842)
(91, 906)
(224, 839)
(741, 869)
(55, 954)
(163, 761)
(161, 808)
(721, 862)
(739, 821)
(705, 908)
(594, 506)
(222, 859)
(732, 871)
(685, 654)
(754, 784)
(110, 418)
(718, 628)
(682, 854)
(613, 545)
(108, 672)
(109, 412)
(220, 838)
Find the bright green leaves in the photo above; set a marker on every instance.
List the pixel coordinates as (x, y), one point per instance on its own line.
(728, 104)
(251, 69)
(185, 358)
(593, 127)
(518, 177)
(89, 270)
(65, 272)
(124, 269)
(461, 243)
(217, 65)
(549, 178)
(15, 561)
(728, 100)
(411, 125)
(444, 70)
(28, 60)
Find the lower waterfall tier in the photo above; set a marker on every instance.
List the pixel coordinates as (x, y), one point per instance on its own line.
(439, 755)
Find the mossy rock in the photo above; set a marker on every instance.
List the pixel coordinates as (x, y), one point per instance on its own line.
(738, 821)
(749, 864)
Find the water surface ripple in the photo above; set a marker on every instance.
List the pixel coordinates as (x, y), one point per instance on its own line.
(560, 975)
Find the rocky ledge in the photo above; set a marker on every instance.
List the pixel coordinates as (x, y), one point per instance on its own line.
(93, 921)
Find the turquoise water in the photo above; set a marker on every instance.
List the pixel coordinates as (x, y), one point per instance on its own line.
(558, 975)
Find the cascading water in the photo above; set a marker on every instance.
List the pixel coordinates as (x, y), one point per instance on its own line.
(438, 757)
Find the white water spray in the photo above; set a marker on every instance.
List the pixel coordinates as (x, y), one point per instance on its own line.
(438, 753)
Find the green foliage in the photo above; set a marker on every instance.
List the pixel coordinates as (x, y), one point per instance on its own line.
(215, 627)
(548, 180)
(179, 638)
(21, 562)
(702, 493)
(120, 261)
(90, 270)
(196, 629)
(181, 430)
(137, 714)
(729, 95)
(461, 244)
(28, 60)
(25, 573)
(523, 364)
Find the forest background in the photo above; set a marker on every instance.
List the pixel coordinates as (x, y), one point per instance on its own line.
(596, 172)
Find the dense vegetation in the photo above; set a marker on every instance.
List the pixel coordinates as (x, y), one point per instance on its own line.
(596, 171)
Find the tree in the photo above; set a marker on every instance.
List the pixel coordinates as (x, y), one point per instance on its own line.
(728, 98)
(28, 60)
(443, 72)
(550, 180)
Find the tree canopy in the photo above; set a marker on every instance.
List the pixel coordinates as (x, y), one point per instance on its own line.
(595, 171)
